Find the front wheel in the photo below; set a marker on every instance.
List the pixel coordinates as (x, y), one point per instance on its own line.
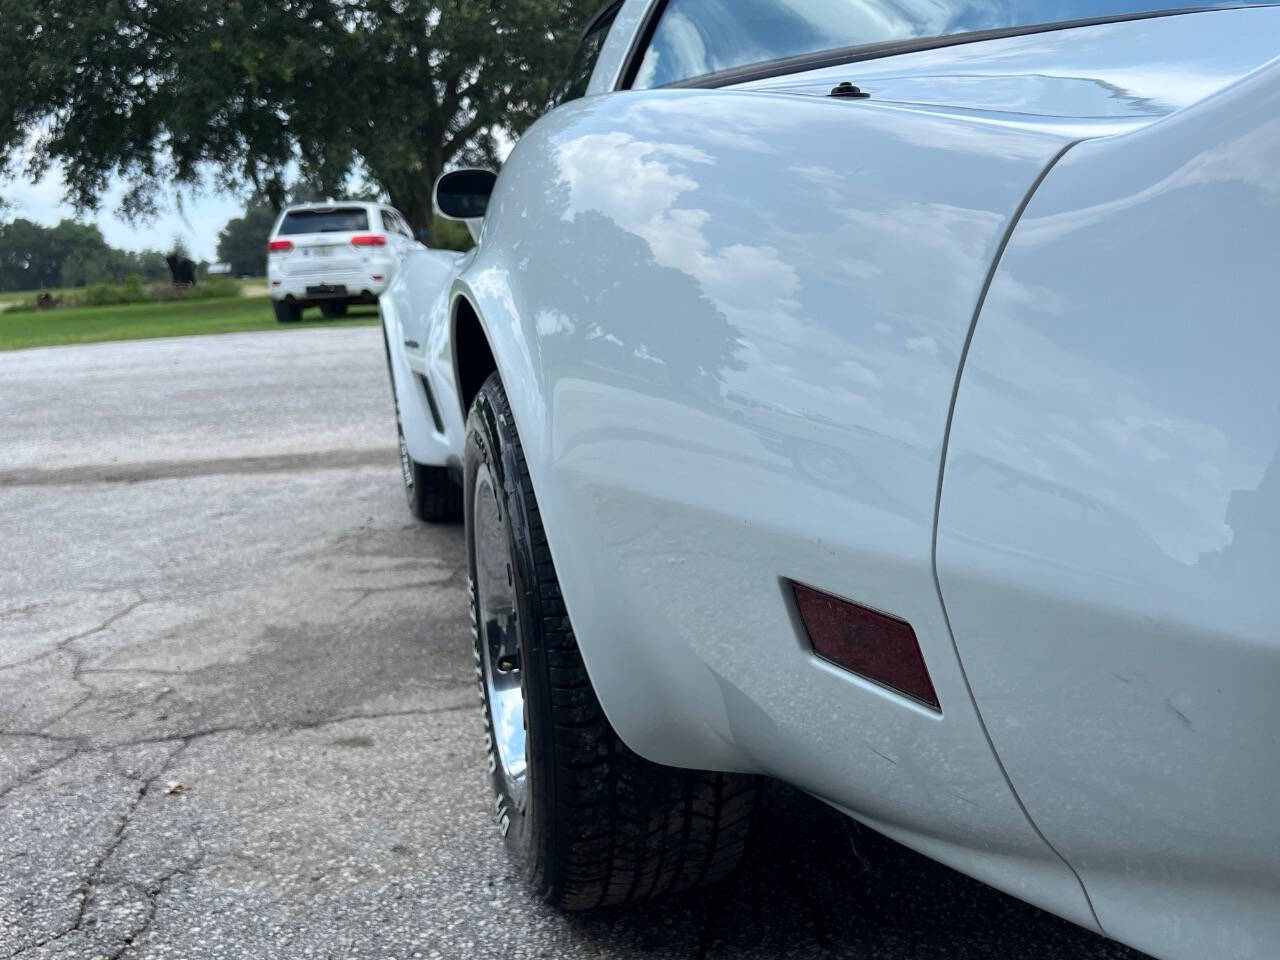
(590, 822)
(431, 491)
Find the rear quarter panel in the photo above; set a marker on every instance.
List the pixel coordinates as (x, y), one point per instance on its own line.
(1109, 532)
(729, 324)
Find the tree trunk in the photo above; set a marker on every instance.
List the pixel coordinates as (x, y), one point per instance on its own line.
(414, 201)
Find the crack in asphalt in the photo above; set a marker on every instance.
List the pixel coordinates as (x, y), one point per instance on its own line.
(63, 645)
(88, 887)
(366, 592)
(81, 745)
(36, 772)
(77, 660)
(144, 470)
(152, 892)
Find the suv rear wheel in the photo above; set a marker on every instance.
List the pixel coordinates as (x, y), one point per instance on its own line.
(590, 822)
(287, 311)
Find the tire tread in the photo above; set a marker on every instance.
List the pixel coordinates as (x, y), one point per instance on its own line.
(625, 828)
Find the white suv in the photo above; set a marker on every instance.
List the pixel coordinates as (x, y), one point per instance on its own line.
(333, 254)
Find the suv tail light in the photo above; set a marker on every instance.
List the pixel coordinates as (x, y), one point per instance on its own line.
(278, 246)
(369, 240)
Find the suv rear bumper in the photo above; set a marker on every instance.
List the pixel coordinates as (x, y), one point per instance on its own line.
(346, 286)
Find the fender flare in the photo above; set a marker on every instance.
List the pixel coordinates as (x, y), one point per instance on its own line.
(427, 444)
(645, 693)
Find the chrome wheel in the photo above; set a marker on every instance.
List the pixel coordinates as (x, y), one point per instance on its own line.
(499, 635)
(406, 463)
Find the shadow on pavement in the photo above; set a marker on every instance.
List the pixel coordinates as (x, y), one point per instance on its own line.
(820, 885)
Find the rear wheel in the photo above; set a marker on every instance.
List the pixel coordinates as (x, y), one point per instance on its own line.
(590, 822)
(287, 311)
(333, 309)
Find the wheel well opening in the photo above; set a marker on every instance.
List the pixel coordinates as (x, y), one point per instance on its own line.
(472, 359)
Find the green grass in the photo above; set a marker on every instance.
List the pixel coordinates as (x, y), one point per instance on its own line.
(141, 321)
(16, 296)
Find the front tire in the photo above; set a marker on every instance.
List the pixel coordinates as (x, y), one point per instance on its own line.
(431, 492)
(590, 822)
(286, 311)
(333, 310)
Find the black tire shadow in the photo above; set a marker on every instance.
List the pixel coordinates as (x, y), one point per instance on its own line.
(816, 884)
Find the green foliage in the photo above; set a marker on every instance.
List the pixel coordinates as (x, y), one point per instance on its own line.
(160, 93)
(243, 241)
(133, 290)
(103, 294)
(34, 257)
(214, 288)
(450, 235)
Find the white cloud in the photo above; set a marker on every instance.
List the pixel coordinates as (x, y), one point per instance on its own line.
(926, 345)
(751, 285)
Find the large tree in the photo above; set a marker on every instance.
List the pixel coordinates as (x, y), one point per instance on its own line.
(242, 243)
(161, 92)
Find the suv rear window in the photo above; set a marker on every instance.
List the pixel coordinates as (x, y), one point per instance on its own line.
(694, 38)
(335, 220)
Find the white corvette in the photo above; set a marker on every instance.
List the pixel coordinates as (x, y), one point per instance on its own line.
(879, 396)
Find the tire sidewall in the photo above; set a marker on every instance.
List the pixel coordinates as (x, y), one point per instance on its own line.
(408, 467)
(490, 444)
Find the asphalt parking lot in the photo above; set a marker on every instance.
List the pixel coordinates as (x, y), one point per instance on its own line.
(237, 715)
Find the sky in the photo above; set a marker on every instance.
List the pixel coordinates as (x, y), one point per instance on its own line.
(195, 215)
(201, 216)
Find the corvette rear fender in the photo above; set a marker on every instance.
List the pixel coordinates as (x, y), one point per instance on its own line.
(720, 385)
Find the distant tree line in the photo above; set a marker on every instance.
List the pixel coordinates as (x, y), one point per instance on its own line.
(35, 257)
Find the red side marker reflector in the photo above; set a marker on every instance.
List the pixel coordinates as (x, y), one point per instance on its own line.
(870, 644)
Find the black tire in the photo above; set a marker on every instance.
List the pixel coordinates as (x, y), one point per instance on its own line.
(433, 495)
(287, 311)
(590, 822)
(333, 309)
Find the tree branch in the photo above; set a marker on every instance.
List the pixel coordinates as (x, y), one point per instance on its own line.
(459, 139)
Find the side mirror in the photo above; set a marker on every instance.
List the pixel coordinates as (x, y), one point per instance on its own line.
(464, 195)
